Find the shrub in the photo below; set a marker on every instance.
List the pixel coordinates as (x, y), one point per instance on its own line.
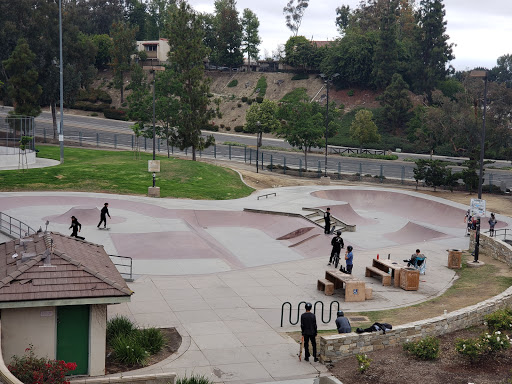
(350, 93)
(500, 320)
(300, 76)
(469, 348)
(239, 128)
(363, 362)
(210, 95)
(259, 99)
(424, 349)
(30, 369)
(119, 325)
(239, 105)
(194, 379)
(115, 114)
(233, 83)
(94, 114)
(249, 101)
(211, 127)
(88, 106)
(244, 99)
(103, 96)
(261, 86)
(228, 129)
(151, 340)
(128, 350)
(222, 125)
(495, 341)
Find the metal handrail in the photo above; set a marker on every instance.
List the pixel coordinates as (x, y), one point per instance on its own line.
(128, 276)
(314, 311)
(267, 195)
(14, 227)
(496, 232)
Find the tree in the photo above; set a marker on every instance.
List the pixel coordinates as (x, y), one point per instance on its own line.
(302, 125)
(136, 15)
(502, 72)
(434, 173)
(294, 11)
(103, 45)
(299, 52)
(157, 14)
(123, 46)
(261, 118)
(228, 34)
(386, 51)
(22, 85)
(363, 129)
(431, 49)
(250, 36)
(342, 18)
(186, 54)
(396, 103)
(140, 100)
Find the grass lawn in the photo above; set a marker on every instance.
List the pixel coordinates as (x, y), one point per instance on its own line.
(90, 170)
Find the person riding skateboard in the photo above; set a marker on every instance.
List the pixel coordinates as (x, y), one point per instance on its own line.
(309, 331)
(103, 215)
(76, 227)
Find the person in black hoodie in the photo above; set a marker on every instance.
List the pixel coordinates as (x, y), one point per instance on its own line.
(76, 227)
(103, 215)
(337, 243)
(327, 219)
(309, 331)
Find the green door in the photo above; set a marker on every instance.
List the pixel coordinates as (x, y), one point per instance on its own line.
(73, 336)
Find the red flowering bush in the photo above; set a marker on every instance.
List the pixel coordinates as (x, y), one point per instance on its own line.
(31, 369)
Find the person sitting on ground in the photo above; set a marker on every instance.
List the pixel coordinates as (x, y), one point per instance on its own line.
(376, 327)
(414, 256)
(342, 323)
(337, 244)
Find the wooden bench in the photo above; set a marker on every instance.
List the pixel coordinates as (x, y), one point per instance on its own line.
(373, 271)
(354, 289)
(325, 285)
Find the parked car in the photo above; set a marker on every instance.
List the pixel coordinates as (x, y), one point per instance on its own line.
(223, 69)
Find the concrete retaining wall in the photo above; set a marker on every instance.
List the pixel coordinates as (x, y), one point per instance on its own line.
(337, 347)
(156, 378)
(492, 246)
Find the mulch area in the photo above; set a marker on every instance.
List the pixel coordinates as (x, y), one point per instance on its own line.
(173, 342)
(394, 366)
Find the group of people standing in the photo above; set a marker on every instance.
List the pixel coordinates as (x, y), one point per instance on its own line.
(472, 222)
(338, 244)
(77, 227)
(309, 329)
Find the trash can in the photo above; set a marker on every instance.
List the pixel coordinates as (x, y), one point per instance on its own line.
(454, 259)
(409, 279)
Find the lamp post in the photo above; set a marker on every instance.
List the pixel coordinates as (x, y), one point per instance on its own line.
(61, 79)
(258, 143)
(328, 80)
(480, 74)
(154, 128)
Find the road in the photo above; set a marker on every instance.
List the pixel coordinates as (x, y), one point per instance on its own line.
(114, 133)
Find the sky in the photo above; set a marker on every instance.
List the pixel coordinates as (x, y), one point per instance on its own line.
(480, 30)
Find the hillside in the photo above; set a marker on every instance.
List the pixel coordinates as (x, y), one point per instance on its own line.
(278, 85)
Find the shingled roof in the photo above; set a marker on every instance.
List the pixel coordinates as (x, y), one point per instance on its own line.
(52, 266)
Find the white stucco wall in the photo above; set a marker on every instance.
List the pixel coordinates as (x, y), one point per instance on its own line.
(24, 326)
(97, 339)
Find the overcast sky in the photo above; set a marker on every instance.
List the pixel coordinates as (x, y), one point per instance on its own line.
(481, 30)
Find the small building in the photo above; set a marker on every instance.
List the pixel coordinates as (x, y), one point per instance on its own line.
(157, 52)
(54, 292)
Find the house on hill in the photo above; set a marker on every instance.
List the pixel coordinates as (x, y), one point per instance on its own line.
(54, 292)
(156, 51)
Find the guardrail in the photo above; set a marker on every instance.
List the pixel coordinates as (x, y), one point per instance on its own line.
(124, 265)
(14, 227)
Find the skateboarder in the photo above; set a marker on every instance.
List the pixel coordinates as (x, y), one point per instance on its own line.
(77, 227)
(327, 219)
(342, 323)
(103, 215)
(309, 331)
(337, 244)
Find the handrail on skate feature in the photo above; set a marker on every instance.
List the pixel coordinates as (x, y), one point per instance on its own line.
(314, 311)
(267, 195)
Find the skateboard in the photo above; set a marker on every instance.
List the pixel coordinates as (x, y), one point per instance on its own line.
(300, 348)
(104, 229)
(332, 229)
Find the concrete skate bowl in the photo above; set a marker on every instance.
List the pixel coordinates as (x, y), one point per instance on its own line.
(414, 233)
(401, 204)
(86, 215)
(346, 213)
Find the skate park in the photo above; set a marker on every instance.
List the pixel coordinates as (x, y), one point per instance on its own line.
(220, 273)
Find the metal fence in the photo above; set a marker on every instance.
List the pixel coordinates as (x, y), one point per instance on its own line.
(14, 227)
(124, 265)
(294, 162)
(13, 128)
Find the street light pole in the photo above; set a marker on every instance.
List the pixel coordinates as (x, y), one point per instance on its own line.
(61, 78)
(327, 79)
(481, 74)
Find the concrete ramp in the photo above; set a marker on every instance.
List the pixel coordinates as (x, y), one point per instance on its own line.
(412, 233)
(346, 213)
(86, 215)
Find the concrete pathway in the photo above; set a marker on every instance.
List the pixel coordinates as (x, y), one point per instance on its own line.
(220, 276)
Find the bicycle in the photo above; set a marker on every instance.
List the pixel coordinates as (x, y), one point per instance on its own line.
(336, 259)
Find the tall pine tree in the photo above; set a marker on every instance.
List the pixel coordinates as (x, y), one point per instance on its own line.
(229, 34)
(250, 36)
